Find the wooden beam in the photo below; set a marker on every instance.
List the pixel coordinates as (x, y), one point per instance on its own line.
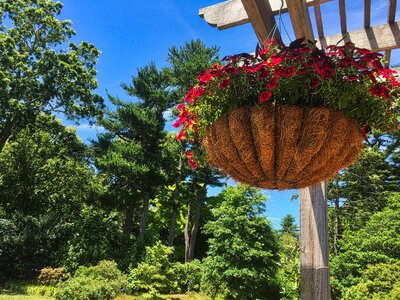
(262, 19)
(388, 53)
(392, 11)
(231, 13)
(300, 17)
(367, 13)
(377, 38)
(318, 19)
(342, 11)
(225, 14)
(314, 245)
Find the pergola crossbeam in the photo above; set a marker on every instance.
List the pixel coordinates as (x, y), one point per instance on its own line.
(367, 13)
(231, 13)
(377, 38)
(318, 19)
(300, 17)
(342, 12)
(392, 11)
(262, 19)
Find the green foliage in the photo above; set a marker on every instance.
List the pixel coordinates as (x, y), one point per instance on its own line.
(188, 61)
(156, 274)
(103, 281)
(97, 234)
(43, 169)
(377, 242)
(52, 276)
(288, 226)
(189, 275)
(289, 271)
(42, 290)
(45, 180)
(366, 185)
(242, 260)
(37, 72)
(377, 282)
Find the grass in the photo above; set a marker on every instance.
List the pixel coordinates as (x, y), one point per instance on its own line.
(22, 297)
(18, 291)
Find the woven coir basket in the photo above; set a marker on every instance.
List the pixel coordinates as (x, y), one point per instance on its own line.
(283, 147)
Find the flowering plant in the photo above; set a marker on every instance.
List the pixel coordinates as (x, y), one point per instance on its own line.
(344, 78)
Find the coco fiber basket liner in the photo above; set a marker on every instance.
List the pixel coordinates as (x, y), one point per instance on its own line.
(283, 147)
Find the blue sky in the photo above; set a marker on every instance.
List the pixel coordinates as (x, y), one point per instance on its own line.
(132, 33)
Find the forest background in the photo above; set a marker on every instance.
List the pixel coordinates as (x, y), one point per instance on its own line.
(122, 213)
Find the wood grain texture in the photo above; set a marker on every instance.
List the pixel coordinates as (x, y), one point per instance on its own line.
(388, 54)
(300, 17)
(262, 19)
(377, 38)
(342, 12)
(314, 256)
(318, 19)
(231, 13)
(367, 13)
(392, 11)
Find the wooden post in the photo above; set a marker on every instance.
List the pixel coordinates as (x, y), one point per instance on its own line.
(314, 256)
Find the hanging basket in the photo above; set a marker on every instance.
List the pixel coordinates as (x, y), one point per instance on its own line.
(281, 146)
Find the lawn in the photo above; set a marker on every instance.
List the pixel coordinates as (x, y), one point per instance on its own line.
(172, 297)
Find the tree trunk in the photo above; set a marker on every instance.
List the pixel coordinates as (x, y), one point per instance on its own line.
(128, 223)
(336, 228)
(186, 232)
(145, 212)
(196, 224)
(6, 133)
(314, 256)
(172, 224)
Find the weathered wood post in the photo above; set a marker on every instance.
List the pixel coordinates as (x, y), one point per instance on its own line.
(314, 245)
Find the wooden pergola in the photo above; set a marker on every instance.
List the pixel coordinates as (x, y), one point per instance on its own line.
(314, 257)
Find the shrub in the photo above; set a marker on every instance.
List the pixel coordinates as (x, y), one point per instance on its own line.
(42, 290)
(380, 281)
(189, 276)
(103, 281)
(52, 276)
(156, 274)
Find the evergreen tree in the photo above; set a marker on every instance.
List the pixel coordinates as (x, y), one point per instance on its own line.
(243, 256)
(288, 226)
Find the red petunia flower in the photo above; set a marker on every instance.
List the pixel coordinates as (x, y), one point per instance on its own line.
(263, 74)
(377, 90)
(327, 72)
(181, 136)
(224, 84)
(205, 77)
(314, 82)
(289, 71)
(180, 106)
(264, 97)
(276, 59)
(302, 71)
(364, 131)
(272, 83)
(264, 51)
(279, 71)
(198, 92)
(351, 78)
(231, 70)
